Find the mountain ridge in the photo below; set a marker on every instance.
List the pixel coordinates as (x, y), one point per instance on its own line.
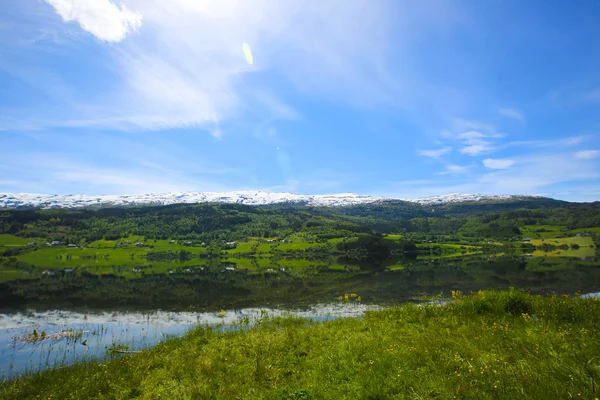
(46, 201)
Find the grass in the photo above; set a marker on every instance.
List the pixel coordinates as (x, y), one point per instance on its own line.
(581, 252)
(12, 274)
(551, 231)
(394, 236)
(595, 230)
(491, 345)
(586, 247)
(542, 231)
(11, 240)
(453, 246)
(448, 250)
(297, 246)
(582, 241)
(540, 264)
(61, 257)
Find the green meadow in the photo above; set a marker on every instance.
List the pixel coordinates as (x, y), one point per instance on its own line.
(489, 345)
(12, 240)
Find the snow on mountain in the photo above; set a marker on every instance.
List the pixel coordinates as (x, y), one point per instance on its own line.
(28, 200)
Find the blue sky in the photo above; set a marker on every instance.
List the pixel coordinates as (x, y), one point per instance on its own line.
(396, 98)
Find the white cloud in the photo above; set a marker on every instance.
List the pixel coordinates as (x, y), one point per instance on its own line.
(455, 169)
(186, 67)
(587, 154)
(435, 153)
(498, 163)
(477, 149)
(536, 174)
(561, 142)
(476, 142)
(216, 133)
(101, 18)
(471, 137)
(512, 113)
(469, 124)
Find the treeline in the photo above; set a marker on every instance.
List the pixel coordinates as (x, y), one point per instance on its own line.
(202, 222)
(212, 222)
(506, 225)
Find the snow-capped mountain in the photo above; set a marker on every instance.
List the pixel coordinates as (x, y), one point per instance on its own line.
(29, 200)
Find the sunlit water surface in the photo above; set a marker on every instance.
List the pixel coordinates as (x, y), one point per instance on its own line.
(73, 336)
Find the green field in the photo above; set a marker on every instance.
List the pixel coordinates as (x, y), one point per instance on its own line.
(586, 247)
(595, 230)
(11, 240)
(12, 274)
(541, 231)
(581, 252)
(582, 241)
(393, 236)
(491, 345)
(454, 246)
(123, 258)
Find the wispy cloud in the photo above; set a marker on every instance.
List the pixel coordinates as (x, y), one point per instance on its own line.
(477, 149)
(184, 65)
(437, 153)
(587, 154)
(462, 125)
(498, 163)
(573, 140)
(55, 175)
(511, 113)
(216, 133)
(537, 174)
(559, 142)
(119, 164)
(593, 95)
(452, 169)
(476, 142)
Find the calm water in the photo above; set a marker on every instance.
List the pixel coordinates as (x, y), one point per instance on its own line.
(97, 333)
(113, 310)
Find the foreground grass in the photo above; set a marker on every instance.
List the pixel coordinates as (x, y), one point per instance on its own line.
(489, 345)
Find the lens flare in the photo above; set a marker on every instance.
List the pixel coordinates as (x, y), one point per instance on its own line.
(248, 53)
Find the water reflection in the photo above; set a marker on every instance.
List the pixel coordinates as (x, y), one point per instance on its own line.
(33, 341)
(295, 283)
(137, 309)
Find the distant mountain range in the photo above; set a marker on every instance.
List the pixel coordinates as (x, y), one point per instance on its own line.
(46, 201)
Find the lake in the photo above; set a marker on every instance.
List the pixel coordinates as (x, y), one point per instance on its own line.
(83, 316)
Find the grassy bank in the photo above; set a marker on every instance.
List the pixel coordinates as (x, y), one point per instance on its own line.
(489, 345)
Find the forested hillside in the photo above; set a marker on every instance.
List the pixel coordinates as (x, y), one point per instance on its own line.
(206, 222)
